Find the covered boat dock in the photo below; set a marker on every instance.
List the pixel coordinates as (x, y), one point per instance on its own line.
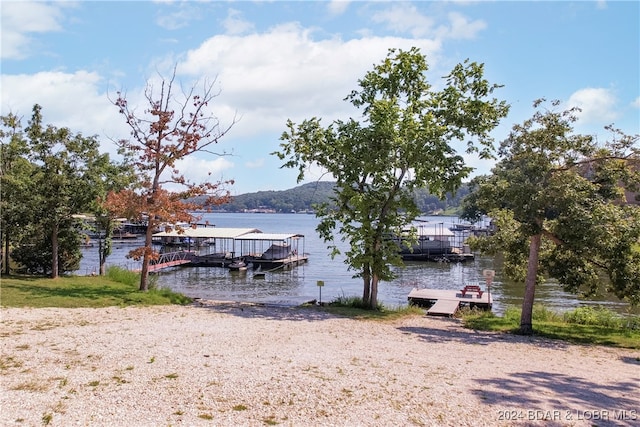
(221, 240)
(268, 251)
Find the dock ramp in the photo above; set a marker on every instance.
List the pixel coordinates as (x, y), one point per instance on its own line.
(444, 307)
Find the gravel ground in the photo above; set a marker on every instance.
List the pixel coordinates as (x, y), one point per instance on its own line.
(229, 364)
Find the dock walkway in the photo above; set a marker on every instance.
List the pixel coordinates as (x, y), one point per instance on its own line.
(446, 302)
(170, 259)
(444, 307)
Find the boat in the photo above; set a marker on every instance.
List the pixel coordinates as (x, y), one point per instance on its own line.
(284, 251)
(238, 264)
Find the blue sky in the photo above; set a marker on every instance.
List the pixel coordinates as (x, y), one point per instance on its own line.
(279, 60)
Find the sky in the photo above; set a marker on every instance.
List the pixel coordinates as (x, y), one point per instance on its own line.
(277, 60)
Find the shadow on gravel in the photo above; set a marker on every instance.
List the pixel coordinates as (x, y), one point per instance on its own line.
(266, 311)
(525, 393)
(632, 360)
(456, 332)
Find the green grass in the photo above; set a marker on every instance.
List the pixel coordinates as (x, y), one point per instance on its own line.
(352, 307)
(584, 325)
(82, 291)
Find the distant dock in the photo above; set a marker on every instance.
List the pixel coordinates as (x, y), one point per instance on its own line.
(441, 302)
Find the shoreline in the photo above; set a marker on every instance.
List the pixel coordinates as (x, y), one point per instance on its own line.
(226, 363)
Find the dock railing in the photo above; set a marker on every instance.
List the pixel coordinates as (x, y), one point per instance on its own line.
(168, 257)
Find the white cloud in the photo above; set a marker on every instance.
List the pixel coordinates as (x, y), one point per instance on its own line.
(405, 18)
(181, 15)
(19, 19)
(286, 73)
(72, 100)
(337, 7)
(255, 164)
(636, 102)
(597, 105)
(234, 24)
(204, 170)
(461, 28)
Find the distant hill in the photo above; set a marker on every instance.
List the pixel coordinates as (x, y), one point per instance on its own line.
(296, 199)
(303, 197)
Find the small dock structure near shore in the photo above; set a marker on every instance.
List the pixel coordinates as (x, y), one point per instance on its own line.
(442, 302)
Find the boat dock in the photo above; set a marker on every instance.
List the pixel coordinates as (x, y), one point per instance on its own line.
(441, 302)
(225, 246)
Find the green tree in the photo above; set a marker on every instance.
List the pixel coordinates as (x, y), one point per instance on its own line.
(15, 178)
(170, 129)
(63, 185)
(112, 178)
(558, 203)
(403, 143)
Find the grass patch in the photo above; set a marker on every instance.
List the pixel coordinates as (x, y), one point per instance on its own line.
(353, 307)
(46, 419)
(33, 386)
(584, 325)
(83, 291)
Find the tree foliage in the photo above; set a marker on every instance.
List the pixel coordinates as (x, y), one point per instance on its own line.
(557, 199)
(402, 143)
(15, 176)
(172, 127)
(50, 175)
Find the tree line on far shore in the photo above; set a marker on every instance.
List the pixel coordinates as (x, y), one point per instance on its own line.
(304, 197)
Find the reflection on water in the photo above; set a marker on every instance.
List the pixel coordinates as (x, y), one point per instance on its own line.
(299, 284)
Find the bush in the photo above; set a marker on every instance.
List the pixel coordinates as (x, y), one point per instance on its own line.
(128, 277)
(542, 314)
(352, 302)
(122, 275)
(596, 316)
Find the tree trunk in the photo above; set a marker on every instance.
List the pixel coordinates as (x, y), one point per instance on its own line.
(102, 259)
(5, 235)
(366, 293)
(144, 273)
(373, 302)
(526, 324)
(54, 251)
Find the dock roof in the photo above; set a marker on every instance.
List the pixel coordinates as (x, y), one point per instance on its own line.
(209, 233)
(268, 236)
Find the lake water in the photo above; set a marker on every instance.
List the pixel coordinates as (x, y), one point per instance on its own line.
(299, 284)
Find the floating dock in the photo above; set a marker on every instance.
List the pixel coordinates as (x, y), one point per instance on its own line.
(440, 302)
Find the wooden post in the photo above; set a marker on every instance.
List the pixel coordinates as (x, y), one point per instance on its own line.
(320, 284)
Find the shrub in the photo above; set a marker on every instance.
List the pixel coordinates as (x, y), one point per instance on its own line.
(597, 316)
(121, 275)
(128, 277)
(352, 302)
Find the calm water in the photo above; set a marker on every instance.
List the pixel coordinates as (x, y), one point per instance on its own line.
(299, 284)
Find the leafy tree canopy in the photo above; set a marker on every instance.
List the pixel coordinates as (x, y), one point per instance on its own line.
(557, 199)
(402, 143)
